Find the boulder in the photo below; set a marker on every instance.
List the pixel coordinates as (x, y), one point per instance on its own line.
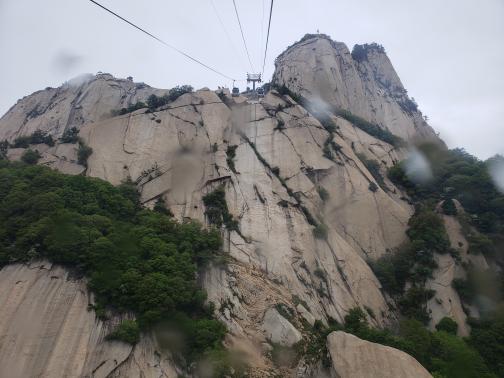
(352, 357)
(279, 330)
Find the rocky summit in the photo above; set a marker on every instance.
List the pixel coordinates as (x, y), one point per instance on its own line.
(310, 207)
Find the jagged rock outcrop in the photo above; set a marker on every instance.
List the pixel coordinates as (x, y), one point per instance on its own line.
(368, 86)
(48, 330)
(84, 99)
(352, 357)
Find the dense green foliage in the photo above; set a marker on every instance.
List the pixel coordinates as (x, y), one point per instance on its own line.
(136, 260)
(426, 230)
(70, 135)
(360, 52)
(30, 156)
(449, 207)
(480, 243)
(453, 357)
(128, 331)
(284, 91)
(441, 353)
(217, 211)
(448, 325)
(374, 168)
(131, 108)
(38, 137)
(231, 154)
(160, 207)
(373, 187)
(456, 175)
(407, 104)
(459, 176)
(414, 262)
(398, 176)
(4, 147)
(413, 303)
(465, 288)
(487, 337)
(326, 121)
(393, 269)
(323, 193)
(330, 146)
(154, 102)
(320, 231)
(83, 153)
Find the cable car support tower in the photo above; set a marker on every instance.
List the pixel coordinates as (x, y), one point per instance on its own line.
(253, 78)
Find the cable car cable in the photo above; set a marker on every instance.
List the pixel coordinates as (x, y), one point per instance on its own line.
(161, 41)
(225, 30)
(243, 36)
(262, 26)
(267, 37)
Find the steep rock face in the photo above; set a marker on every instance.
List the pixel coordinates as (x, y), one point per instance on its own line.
(179, 153)
(47, 330)
(372, 222)
(273, 184)
(352, 357)
(81, 100)
(275, 233)
(319, 68)
(446, 301)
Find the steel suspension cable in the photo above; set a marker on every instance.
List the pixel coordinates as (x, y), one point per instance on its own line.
(267, 38)
(243, 35)
(225, 30)
(162, 42)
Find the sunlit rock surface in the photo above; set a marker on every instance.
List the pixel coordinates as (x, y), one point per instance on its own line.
(47, 329)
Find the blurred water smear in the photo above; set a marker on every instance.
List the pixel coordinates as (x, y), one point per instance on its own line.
(496, 170)
(65, 61)
(417, 167)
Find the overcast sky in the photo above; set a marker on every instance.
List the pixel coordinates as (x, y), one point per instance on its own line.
(449, 54)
